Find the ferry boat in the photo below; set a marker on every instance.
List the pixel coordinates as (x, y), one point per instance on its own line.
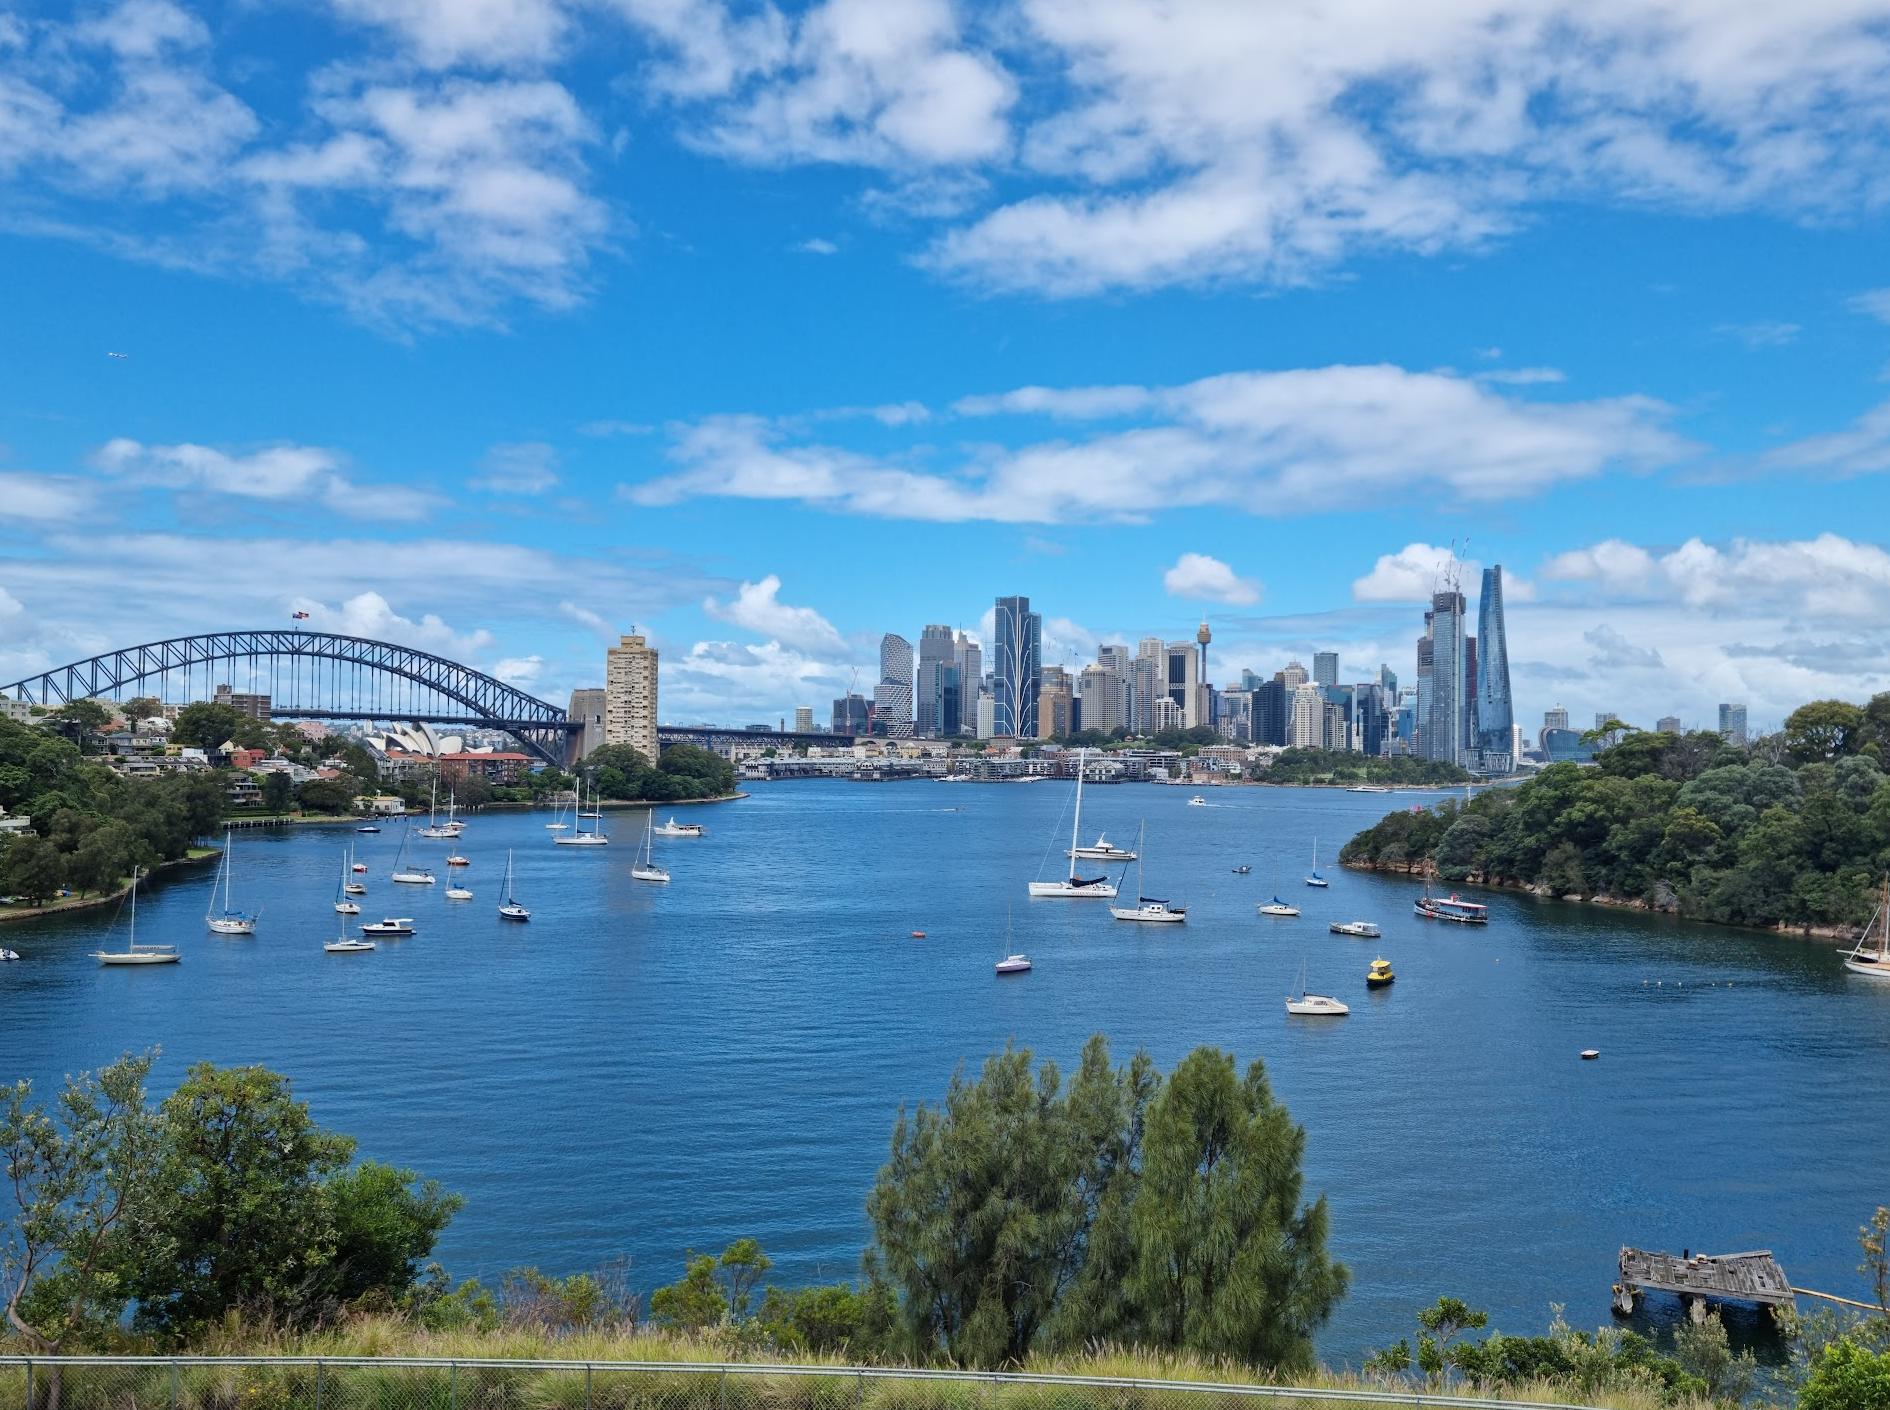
(1379, 975)
(1429, 907)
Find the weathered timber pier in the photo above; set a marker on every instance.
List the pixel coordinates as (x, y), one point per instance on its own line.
(1701, 1278)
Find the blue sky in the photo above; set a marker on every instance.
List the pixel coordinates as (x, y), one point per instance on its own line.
(500, 326)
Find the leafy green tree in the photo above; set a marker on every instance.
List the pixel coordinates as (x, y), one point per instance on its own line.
(832, 1320)
(1847, 1377)
(1228, 1262)
(693, 1302)
(31, 868)
(243, 1221)
(277, 792)
(1442, 1323)
(81, 721)
(325, 795)
(386, 1223)
(106, 855)
(78, 1179)
(208, 725)
(142, 707)
(1823, 729)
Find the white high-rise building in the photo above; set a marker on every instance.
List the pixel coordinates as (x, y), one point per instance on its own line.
(803, 719)
(1105, 695)
(630, 696)
(1306, 718)
(970, 659)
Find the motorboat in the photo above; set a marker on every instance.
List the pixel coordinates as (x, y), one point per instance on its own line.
(644, 868)
(409, 875)
(1871, 955)
(228, 921)
(392, 925)
(354, 888)
(134, 953)
(358, 867)
(1429, 907)
(1197, 801)
(1368, 788)
(672, 828)
(1309, 1005)
(1013, 964)
(457, 861)
(1099, 888)
(1103, 850)
(509, 908)
(1379, 974)
(1313, 878)
(1276, 907)
(367, 827)
(1147, 908)
(1242, 871)
(8, 956)
(1357, 929)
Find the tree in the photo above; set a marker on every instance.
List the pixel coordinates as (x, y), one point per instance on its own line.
(1228, 1262)
(1823, 729)
(693, 1302)
(32, 868)
(208, 725)
(142, 707)
(1847, 1377)
(325, 795)
(78, 1180)
(1443, 1322)
(277, 791)
(243, 1221)
(1874, 1239)
(102, 858)
(386, 1222)
(81, 721)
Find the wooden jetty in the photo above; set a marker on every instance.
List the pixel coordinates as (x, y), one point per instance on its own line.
(1700, 1278)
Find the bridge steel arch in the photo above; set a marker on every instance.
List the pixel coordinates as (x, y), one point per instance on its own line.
(483, 700)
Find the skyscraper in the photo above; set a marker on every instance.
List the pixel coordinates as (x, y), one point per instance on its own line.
(1495, 711)
(970, 663)
(1181, 682)
(1325, 668)
(1293, 676)
(1442, 729)
(850, 716)
(1016, 671)
(1055, 699)
(892, 697)
(936, 700)
(1105, 695)
(1306, 724)
(1732, 724)
(803, 719)
(1667, 724)
(630, 696)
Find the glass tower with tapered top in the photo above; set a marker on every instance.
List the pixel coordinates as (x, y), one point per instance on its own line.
(1495, 711)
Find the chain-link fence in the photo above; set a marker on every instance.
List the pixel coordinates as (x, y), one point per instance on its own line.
(371, 1383)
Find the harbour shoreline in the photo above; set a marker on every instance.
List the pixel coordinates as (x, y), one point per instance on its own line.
(197, 856)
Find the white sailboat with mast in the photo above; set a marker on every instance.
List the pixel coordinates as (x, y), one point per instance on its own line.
(1150, 909)
(581, 838)
(1871, 955)
(1313, 878)
(509, 908)
(134, 953)
(433, 827)
(1100, 887)
(405, 874)
(343, 906)
(645, 867)
(228, 921)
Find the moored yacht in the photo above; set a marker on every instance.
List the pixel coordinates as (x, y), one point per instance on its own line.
(672, 828)
(1103, 850)
(509, 908)
(1357, 929)
(1871, 955)
(1309, 1005)
(392, 925)
(1100, 888)
(1150, 909)
(228, 921)
(645, 867)
(134, 953)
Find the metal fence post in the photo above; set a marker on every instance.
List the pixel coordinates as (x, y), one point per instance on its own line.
(452, 1385)
(587, 1386)
(29, 1383)
(174, 1386)
(318, 1383)
(859, 1388)
(721, 1390)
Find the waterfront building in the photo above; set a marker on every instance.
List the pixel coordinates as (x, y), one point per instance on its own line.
(1055, 703)
(803, 719)
(936, 699)
(892, 696)
(1732, 724)
(1146, 677)
(1667, 724)
(1442, 729)
(587, 707)
(1016, 671)
(969, 658)
(630, 670)
(1495, 711)
(1325, 668)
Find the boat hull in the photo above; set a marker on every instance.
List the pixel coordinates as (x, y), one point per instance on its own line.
(514, 913)
(1316, 1006)
(348, 947)
(648, 874)
(1098, 891)
(1149, 916)
(232, 927)
(1870, 969)
(130, 960)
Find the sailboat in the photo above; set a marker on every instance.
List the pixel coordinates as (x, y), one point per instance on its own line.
(346, 944)
(1148, 908)
(557, 823)
(409, 875)
(1871, 956)
(645, 867)
(350, 886)
(134, 953)
(1099, 887)
(433, 827)
(1313, 878)
(1016, 962)
(229, 921)
(343, 906)
(1277, 907)
(1314, 1005)
(581, 838)
(509, 908)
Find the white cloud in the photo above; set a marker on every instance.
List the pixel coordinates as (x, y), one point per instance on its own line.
(281, 473)
(1874, 303)
(817, 246)
(1826, 578)
(1614, 652)
(45, 498)
(368, 614)
(1760, 335)
(1523, 376)
(1195, 575)
(729, 680)
(442, 33)
(757, 607)
(1411, 574)
(1264, 442)
(519, 468)
(521, 671)
(588, 619)
(1862, 448)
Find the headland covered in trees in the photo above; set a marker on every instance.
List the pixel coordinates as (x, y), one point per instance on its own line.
(1792, 831)
(1118, 1222)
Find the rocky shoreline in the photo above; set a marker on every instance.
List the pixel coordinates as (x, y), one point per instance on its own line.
(1664, 901)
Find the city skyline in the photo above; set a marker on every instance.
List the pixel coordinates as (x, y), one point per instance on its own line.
(505, 330)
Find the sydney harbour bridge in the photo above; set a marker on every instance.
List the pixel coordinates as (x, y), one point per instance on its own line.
(322, 676)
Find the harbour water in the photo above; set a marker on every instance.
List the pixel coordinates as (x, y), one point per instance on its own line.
(642, 1069)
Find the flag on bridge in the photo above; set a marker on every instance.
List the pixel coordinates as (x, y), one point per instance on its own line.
(299, 616)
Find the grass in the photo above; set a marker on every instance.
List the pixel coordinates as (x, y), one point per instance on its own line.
(472, 1388)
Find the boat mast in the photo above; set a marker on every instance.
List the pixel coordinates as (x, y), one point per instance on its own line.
(1076, 820)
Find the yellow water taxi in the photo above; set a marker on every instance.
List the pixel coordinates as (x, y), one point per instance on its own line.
(1379, 974)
